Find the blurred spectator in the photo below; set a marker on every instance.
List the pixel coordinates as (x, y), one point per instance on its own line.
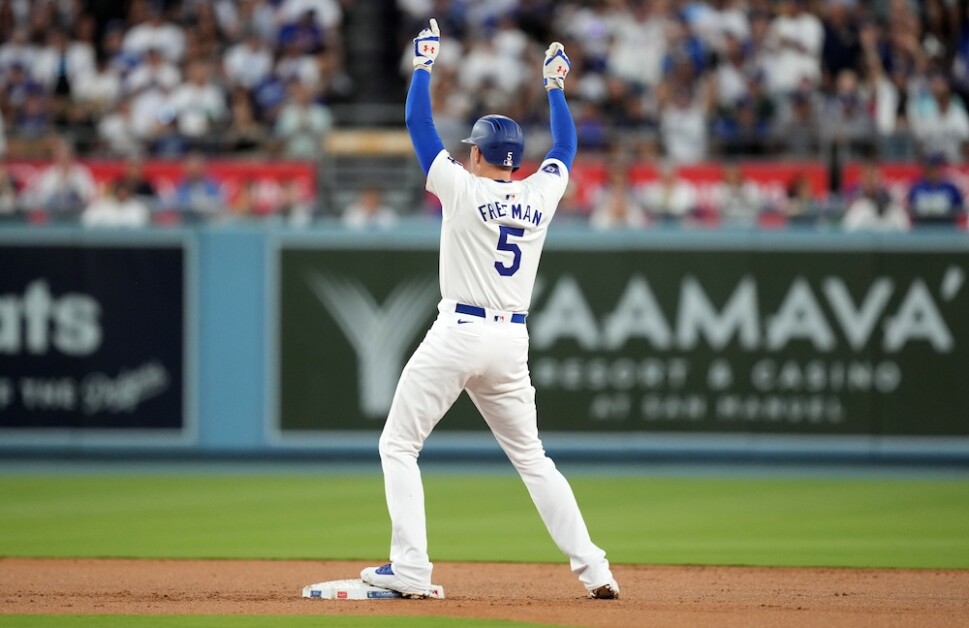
(99, 90)
(17, 50)
(303, 34)
(326, 13)
(155, 32)
(62, 64)
(117, 208)
(203, 37)
(244, 134)
(112, 47)
(33, 120)
(795, 39)
(65, 187)
(845, 118)
(450, 106)
(759, 44)
(261, 16)
(743, 131)
(302, 123)
(245, 202)
(669, 199)
(118, 131)
(199, 104)
(229, 15)
(134, 179)
(934, 199)
(683, 125)
(841, 49)
(485, 64)
(803, 206)
(198, 195)
(153, 117)
(619, 105)
(293, 65)
(732, 72)
(17, 85)
(369, 211)
(889, 91)
(248, 63)
(872, 207)
(797, 130)
(682, 46)
(269, 97)
(639, 43)
(960, 62)
(616, 205)
(9, 203)
(509, 38)
(155, 71)
(295, 207)
(938, 118)
(738, 202)
(592, 128)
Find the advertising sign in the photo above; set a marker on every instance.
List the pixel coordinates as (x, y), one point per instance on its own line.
(92, 337)
(870, 342)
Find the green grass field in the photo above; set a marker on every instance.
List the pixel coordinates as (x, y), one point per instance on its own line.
(652, 520)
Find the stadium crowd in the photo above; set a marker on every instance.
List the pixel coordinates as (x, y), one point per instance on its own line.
(669, 82)
(719, 77)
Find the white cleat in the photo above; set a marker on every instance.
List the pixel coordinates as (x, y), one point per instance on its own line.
(386, 578)
(608, 591)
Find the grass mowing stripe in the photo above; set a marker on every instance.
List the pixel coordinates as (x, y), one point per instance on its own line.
(697, 520)
(247, 621)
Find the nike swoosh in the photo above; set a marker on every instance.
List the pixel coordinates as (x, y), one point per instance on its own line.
(461, 322)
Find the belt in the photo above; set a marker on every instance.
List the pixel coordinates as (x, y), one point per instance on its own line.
(474, 310)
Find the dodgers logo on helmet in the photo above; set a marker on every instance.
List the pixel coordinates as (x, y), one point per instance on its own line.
(500, 140)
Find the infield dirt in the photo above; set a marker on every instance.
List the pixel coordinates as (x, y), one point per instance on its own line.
(651, 595)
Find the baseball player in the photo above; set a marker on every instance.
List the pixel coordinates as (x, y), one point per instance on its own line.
(492, 235)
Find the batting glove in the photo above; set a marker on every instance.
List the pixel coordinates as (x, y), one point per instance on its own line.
(557, 66)
(426, 46)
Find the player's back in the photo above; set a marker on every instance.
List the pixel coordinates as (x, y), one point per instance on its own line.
(493, 232)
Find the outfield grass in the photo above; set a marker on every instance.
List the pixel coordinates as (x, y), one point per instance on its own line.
(246, 621)
(737, 521)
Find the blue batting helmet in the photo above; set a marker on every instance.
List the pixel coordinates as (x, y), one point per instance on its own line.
(500, 140)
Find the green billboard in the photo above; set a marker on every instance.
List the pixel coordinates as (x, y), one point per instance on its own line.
(870, 342)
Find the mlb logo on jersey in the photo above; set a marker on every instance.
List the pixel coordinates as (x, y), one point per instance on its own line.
(499, 318)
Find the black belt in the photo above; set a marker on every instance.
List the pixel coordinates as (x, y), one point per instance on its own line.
(474, 310)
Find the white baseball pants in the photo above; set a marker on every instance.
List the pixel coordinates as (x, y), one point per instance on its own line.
(489, 359)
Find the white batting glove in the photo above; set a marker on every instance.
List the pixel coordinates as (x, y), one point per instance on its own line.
(426, 46)
(557, 66)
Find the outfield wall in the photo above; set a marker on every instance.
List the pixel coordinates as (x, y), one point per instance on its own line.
(255, 341)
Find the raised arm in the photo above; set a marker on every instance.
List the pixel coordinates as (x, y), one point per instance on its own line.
(564, 141)
(417, 110)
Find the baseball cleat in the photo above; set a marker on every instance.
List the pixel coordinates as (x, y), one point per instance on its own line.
(605, 592)
(386, 578)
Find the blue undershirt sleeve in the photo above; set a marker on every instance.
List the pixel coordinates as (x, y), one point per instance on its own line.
(564, 142)
(420, 123)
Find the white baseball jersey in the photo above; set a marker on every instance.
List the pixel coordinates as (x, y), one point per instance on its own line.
(493, 232)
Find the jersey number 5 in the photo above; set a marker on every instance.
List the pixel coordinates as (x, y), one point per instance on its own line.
(505, 245)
